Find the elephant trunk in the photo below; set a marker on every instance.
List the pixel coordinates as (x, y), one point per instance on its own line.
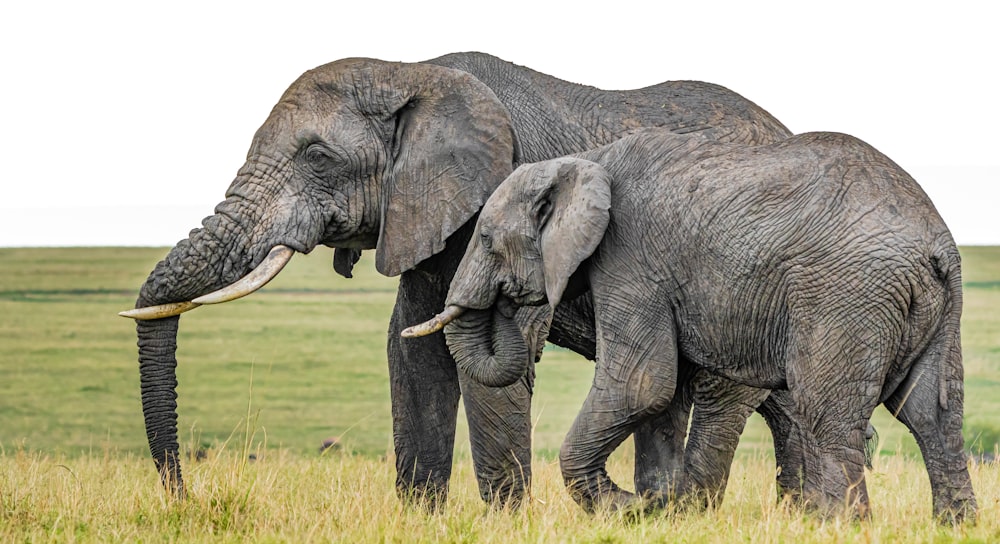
(158, 379)
(488, 346)
(211, 257)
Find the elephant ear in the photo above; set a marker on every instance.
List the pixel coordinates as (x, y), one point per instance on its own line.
(454, 144)
(572, 211)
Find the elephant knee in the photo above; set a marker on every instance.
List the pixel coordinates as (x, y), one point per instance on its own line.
(570, 462)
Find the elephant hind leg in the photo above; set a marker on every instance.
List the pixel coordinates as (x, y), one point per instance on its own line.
(659, 445)
(931, 405)
(835, 371)
(721, 410)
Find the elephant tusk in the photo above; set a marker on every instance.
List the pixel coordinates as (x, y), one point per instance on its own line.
(276, 259)
(159, 311)
(433, 324)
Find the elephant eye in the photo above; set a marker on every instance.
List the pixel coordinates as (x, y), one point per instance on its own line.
(486, 240)
(318, 158)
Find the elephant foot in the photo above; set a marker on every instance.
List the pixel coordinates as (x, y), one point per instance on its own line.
(603, 496)
(957, 510)
(429, 497)
(789, 486)
(830, 506)
(699, 499)
(508, 494)
(618, 502)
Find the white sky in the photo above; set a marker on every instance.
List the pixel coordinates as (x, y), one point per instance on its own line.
(122, 123)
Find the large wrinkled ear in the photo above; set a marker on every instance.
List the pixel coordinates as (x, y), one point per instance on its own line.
(454, 143)
(573, 215)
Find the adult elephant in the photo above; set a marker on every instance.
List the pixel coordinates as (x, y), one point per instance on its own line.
(366, 154)
(847, 287)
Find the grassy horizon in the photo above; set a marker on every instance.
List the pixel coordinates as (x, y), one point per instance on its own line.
(303, 360)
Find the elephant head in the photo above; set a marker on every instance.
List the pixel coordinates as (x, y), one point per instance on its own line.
(533, 233)
(357, 154)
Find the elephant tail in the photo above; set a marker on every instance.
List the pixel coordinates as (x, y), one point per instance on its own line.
(947, 265)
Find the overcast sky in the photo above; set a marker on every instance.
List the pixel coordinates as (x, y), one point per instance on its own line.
(124, 122)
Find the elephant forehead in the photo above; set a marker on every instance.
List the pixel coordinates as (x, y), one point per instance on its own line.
(524, 184)
(291, 125)
(506, 205)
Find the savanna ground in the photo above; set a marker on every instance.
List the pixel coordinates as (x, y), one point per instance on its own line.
(264, 380)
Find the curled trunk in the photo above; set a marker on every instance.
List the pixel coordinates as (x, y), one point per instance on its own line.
(495, 347)
(489, 347)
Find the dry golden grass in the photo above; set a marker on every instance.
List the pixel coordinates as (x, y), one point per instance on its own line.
(343, 498)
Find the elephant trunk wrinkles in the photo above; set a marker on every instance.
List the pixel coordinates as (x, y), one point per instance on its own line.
(210, 258)
(158, 380)
(489, 347)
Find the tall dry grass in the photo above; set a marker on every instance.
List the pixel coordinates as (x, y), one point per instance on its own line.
(284, 497)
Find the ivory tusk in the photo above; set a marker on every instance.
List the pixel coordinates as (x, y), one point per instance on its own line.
(434, 324)
(276, 259)
(160, 311)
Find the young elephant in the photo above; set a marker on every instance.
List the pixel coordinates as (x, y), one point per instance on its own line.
(814, 264)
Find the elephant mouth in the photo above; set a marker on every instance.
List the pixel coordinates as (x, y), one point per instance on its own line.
(530, 299)
(518, 296)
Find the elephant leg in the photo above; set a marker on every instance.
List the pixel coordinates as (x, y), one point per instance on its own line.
(500, 420)
(659, 451)
(721, 409)
(659, 444)
(835, 373)
(659, 439)
(934, 416)
(596, 432)
(500, 436)
(635, 379)
(424, 390)
(778, 411)
(832, 439)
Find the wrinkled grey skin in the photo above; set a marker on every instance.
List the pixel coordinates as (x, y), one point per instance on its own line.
(814, 264)
(366, 154)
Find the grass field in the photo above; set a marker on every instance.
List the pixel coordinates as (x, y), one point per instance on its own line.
(304, 359)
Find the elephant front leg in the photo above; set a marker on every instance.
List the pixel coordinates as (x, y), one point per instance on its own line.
(635, 379)
(659, 440)
(424, 390)
(594, 435)
(500, 420)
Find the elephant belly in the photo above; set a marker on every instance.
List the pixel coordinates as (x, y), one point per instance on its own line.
(748, 353)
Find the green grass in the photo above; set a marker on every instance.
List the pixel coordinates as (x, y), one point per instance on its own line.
(304, 359)
(306, 353)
